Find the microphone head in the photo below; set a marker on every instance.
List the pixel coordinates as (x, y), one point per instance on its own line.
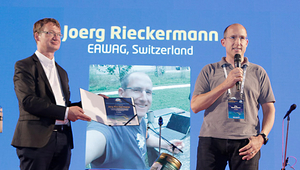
(160, 121)
(237, 58)
(293, 107)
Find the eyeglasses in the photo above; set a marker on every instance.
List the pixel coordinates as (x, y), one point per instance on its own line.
(139, 90)
(234, 38)
(52, 33)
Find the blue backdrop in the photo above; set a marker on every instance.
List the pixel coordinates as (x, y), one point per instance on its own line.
(273, 32)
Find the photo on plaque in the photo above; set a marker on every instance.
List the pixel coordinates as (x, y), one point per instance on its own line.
(156, 91)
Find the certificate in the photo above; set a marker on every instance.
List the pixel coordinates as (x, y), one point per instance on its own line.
(112, 111)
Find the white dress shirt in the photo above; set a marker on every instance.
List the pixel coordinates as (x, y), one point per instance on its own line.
(54, 80)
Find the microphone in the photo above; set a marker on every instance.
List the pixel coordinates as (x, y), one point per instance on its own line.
(293, 107)
(237, 63)
(174, 146)
(160, 122)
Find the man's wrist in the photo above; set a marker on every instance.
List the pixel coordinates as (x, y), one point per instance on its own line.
(264, 137)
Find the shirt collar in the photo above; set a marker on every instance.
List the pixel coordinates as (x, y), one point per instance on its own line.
(45, 60)
(223, 61)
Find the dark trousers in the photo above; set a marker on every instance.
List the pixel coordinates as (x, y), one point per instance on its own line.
(214, 153)
(55, 155)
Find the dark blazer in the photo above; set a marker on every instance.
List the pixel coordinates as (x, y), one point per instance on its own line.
(37, 106)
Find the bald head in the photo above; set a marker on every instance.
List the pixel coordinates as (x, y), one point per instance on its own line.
(233, 25)
(235, 42)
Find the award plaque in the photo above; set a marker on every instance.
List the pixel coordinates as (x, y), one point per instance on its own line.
(116, 111)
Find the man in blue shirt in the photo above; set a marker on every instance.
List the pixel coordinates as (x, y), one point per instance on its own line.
(125, 146)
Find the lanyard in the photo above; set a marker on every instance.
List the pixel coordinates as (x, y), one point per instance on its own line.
(244, 77)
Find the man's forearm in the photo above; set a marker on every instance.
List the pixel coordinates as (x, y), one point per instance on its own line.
(268, 117)
(203, 101)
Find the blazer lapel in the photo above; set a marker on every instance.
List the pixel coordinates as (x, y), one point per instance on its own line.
(42, 74)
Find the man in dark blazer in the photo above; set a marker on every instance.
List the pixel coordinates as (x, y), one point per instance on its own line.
(43, 135)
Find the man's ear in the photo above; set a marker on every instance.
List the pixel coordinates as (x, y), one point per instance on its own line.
(121, 92)
(223, 42)
(36, 36)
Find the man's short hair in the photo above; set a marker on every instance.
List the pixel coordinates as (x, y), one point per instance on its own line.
(125, 81)
(38, 26)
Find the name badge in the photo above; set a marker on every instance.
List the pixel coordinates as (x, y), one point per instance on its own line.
(236, 109)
